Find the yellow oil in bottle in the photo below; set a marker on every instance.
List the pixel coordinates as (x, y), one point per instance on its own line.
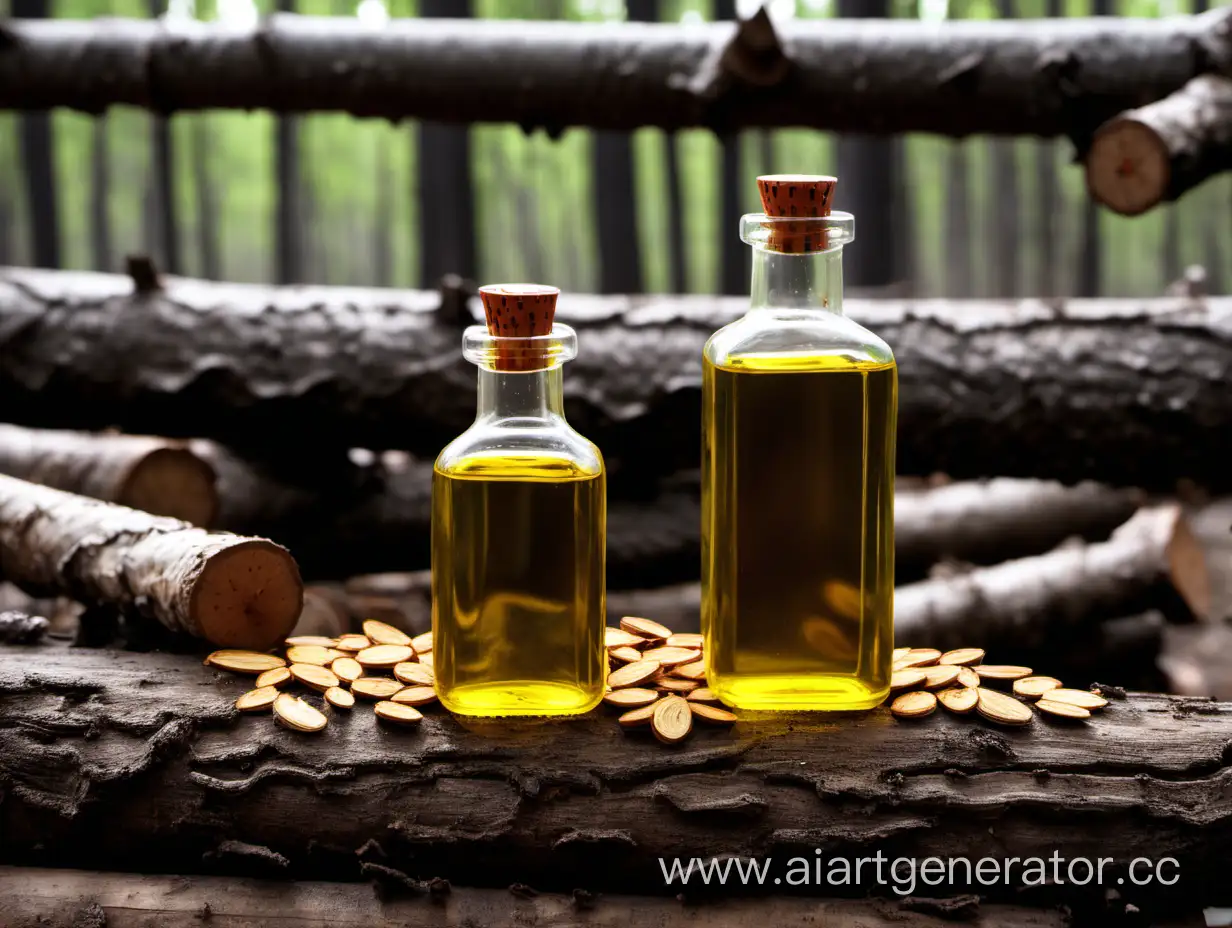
(518, 585)
(798, 556)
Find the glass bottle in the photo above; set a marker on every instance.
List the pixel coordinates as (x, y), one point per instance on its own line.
(519, 513)
(798, 431)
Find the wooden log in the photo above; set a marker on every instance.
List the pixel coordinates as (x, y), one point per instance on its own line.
(230, 590)
(155, 475)
(1159, 151)
(955, 78)
(139, 762)
(41, 898)
(983, 385)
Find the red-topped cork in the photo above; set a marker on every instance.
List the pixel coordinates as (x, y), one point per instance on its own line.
(805, 195)
(519, 311)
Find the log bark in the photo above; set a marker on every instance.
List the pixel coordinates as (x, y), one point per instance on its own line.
(1159, 151)
(230, 590)
(1128, 392)
(1040, 77)
(138, 762)
(155, 475)
(42, 898)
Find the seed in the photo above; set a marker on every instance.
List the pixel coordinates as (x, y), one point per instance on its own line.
(940, 677)
(1035, 687)
(636, 718)
(311, 654)
(310, 641)
(900, 653)
(319, 678)
(670, 657)
(428, 660)
(422, 643)
(672, 721)
(1002, 672)
(914, 705)
(674, 684)
(685, 640)
(703, 694)
(352, 643)
(619, 638)
(968, 677)
(415, 696)
(385, 655)
(1080, 698)
(293, 712)
(960, 699)
(398, 712)
(998, 707)
(962, 657)
(631, 697)
(918, 657)
(907, 679)
(1063, 710)
(375, 687)
(625, 655)
(712, 714)
(632, 674)
(652, 631)
(253, 662)
(414, 674)
(380, 633)
(275, 677)
(348, 669)
(254, 700)
(337, 696)
(694, 671)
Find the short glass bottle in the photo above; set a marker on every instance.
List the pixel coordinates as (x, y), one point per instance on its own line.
(799, 420)
(519, 514)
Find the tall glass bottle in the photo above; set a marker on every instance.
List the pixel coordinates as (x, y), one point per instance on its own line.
(519, 514)
(798, 431)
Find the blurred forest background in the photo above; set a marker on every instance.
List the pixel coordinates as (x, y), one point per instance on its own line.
(979, 217)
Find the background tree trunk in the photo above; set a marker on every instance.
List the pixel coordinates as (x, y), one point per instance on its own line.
(1090, 270)
(734, 257)
(289, 226)
(100, 196)
(1002, 202)
(1049, 202)
(38, 164)
(383, 220)
(165, 231)
(207, 205)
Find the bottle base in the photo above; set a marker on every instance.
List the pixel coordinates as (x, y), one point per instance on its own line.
(520, 698)
(798, 692)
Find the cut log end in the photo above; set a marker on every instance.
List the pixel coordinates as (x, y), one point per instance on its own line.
(172, 482)
(1128, 168)
(249, 595)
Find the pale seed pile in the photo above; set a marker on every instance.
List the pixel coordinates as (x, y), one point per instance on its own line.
(383, 665)
(660, 679)
(961, 681)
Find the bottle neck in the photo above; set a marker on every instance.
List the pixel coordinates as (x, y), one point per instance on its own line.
(530, 395)
(798, 283)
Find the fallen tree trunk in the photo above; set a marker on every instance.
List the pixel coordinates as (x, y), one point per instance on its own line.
(228, 589)
(154, 475)
(139, 762)
(984, 386)
(1040, 77)
(1159, 151)
(39, 898)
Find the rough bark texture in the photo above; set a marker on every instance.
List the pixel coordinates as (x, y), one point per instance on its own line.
(1151, 562)
(1163, 149)
(155, 475)
(231, 590)
(138, 762)
(1040, 77)
(1129, 392)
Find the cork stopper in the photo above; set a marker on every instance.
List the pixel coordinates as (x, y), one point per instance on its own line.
(518, 311)
(805, 195)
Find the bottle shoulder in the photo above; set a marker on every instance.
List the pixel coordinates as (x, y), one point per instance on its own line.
(803, 337)
(493, 450)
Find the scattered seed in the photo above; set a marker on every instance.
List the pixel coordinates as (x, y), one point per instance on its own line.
(337, 696)
(1080, 698)
(669, 684)
(670, 657)
(347, 669)
(619, 638)
(907, 679)
(998, 707)
(631, 697)
(914, 705)
(414, 674)
(398, 713)
(625, 654)
(428, 660)
(1063, 710)
(632, 674)
(900, 653)
(310, 641)
(685, 640)
(422, 643)
(712, 714)
(940, 677)
(639, 717)
(311, 654)
(255, 700)
(319, 678)
(276, 677)
(649, 630)
(1002, 672)
(968, 677)
(381, 633)
(385, 655)
(1035, 687)
(352, 643)
(918, 657)
(959, 699)
(253, 662)
(375, 687)
(962, 657)
(672, 720)
(414, 696)
(692, 671)
(703, 694)
(293, 712)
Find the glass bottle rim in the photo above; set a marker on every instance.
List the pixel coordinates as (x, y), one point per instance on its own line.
(757, 229)
(481, 347)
